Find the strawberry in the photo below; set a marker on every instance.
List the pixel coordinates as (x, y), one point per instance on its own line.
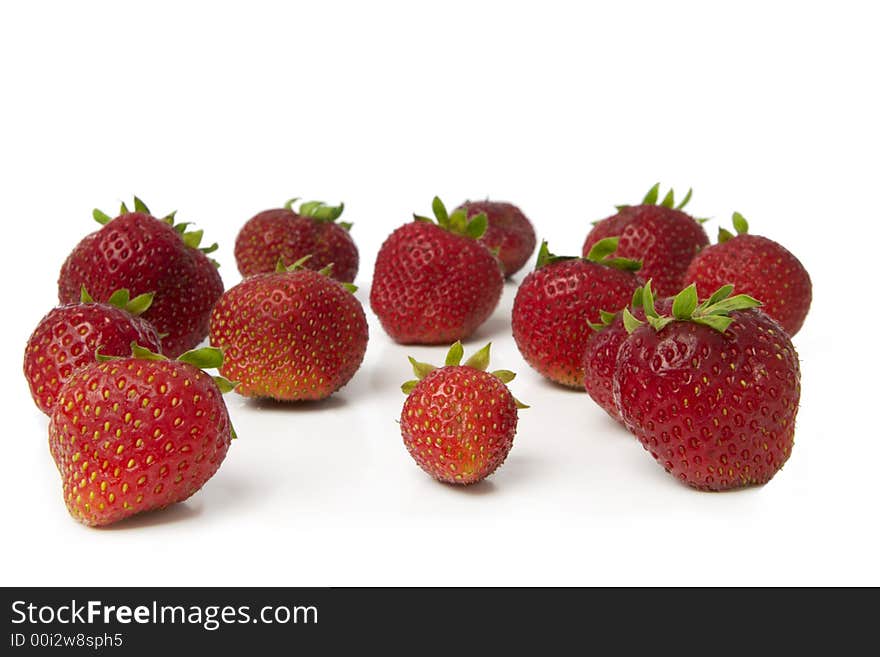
(458, 421)
(434, 282)
(555, 304)
(290, 235)
(290, 335)
(67, 338)
(759, 267)
(509, 232)
(710, 390)
(663, 237)
(600, 352)
(140, 253)
(138, 433)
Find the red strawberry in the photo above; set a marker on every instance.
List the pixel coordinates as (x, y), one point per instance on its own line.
(663, 237)
(435, 283)
(711, 391)
(458, 421)
(555, 304)
(141, 253)
(290, 335)
(509, 231)
(68, 337)
(758, 267)
(138, 433)
(600, 352)
(290, 235)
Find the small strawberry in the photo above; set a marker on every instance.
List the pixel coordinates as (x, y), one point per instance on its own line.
(555, 304)
(711, 390)
(509, 231)
(600, 352)
(663, 237)
(290, 335)
(289, 235)
(67, 338)
(458, 421)
(140, 253)
(759, 267)
(435, 283)
(138, 433)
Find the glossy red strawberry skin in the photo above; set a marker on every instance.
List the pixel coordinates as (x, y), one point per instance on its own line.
(289, 336)
(67, 338)
(600, 358)
(663, 239)
(761, 268)
(143, 254)
(552, 311)
(458, 424)
(509, 230)
(134, 435)
(431, 286)
(716, 410)
(284, 234)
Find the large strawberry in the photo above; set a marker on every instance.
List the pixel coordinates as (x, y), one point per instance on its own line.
(555, 304)
(458, 421)
(138, 433)
(661, 236)
(289, 235)
(710, 390)
(509, 231)
(67, 338)
(600, 352)
(759, 267)
(141, 253)
(434, 283)
(294, 334)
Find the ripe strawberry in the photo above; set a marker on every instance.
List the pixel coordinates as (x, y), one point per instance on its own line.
(138, 433)
(555, 304)
(458, 421)
(711, 390)
(435, 283)
(600, 352)
(141, 253)
(290, 335)
(663, 237)
(509, 231)
(290, 235)
(67, 338)
(759, 267)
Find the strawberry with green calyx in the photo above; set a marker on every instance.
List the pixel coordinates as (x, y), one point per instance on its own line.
(67, 338)
(293, 334)
(434, 282)
(139, 433)
(142, 253)
(556, 302)
(710, 389)
(659, 234)
(458, 421)
(289, 234)
(757, 266)
(509, 232)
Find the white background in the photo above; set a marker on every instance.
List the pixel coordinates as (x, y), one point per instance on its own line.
(220, 110)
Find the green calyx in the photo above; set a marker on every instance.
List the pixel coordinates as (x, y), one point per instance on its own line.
(203, 358)
(668, 201)
(601, 253)
(457, 222)
(714, 312)
(740, 225)
(299, 265)
(607, 318)
(122, 300)
(479, 361)
(319, 211)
